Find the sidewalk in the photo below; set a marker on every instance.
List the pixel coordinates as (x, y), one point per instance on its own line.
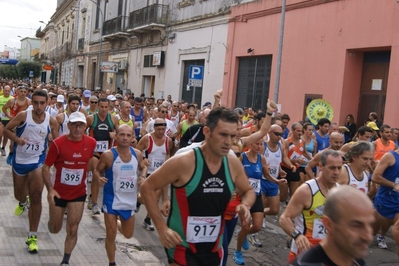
(89, 249)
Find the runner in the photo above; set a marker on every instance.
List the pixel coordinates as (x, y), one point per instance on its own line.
(207, 175)
(307, 204)
(174, 114)
(30, 145)
(322, 137)
(348, 221)
(363, 133)
(355, 172)
(4, 118)
(63, 118)
(383, 144)
(140, 116)
(121, 185)
(157, 149)
(101, 128)
(70, 154)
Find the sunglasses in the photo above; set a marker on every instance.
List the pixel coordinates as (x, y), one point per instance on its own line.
(277, 134)
(93, 102)
(164, 112)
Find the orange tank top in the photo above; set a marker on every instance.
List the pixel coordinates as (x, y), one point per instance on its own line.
(381, 149)
(16, 108)
(294, 151)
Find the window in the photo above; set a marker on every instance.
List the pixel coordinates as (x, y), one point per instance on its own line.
(97, 14)
(120, 8)
(148, 61)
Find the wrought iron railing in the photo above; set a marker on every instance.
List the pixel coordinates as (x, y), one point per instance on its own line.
(153, 14)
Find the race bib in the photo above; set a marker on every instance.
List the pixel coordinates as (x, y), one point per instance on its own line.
(125, 184)
(203, 229)
(274, 171)
(33, 147)
(295, 156)
(71, 177)
(101, 146)
(138, 124)
(255, 184)
(156, 163)
(319, 231)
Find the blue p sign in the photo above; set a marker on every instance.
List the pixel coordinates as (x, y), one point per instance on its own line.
(196, 72)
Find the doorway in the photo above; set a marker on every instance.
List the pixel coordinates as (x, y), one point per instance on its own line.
(373, 88)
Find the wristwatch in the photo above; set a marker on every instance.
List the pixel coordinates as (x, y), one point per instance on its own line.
(295, 234)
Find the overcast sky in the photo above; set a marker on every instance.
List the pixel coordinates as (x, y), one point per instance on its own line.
(21, 17)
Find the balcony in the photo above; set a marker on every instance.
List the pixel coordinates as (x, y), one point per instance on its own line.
(39, 33)
(114, 28)
(153, 17)
(81, 44)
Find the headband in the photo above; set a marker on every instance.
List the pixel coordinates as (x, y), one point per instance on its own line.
(159, 124)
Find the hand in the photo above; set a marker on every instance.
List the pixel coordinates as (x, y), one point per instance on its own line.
(21, 141)
(282, 174)
(165, 207)
(218, 95)
(293, 169)
(301, 161)
(244, 213)
(169, 238)
(147, 162)
(102, 180)
(281, 181)
(50, 196)
(271, 106)
(112, 135)
(396, 187)
(302, 243)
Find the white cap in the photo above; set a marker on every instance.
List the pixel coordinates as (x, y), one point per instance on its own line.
(77, 117)
(111, 97)
(60, 98)
(87, 93)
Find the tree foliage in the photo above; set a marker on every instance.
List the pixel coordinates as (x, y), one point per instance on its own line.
(21, 70)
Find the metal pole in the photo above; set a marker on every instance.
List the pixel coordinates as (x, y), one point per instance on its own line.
(101, 44)
(194, 95)
(280, 51)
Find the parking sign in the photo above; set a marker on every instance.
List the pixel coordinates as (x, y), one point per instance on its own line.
(195, 76)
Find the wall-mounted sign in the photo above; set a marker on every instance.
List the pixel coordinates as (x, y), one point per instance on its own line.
(48, 67)
(158, 58)
(109, 67)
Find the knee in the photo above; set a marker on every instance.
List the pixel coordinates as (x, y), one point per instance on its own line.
(53, 228)
(256, 227)
(274, 210)
(127, 234)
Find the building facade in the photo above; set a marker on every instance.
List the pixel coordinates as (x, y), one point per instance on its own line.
(345, 52)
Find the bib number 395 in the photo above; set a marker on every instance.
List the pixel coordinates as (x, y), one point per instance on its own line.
(72, 177)
(203, 229)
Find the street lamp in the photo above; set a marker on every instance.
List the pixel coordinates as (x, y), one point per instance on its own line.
(15, 55)
(30, 46)
(101, 44)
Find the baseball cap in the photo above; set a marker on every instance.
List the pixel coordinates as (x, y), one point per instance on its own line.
(60, 98)
(373, 125)
(77, 117)
(87, 93)
(206, 104)
(111, 97)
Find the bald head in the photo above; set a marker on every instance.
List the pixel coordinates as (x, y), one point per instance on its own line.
(124, 128)
(159, 121)
(336, 136)
(276, 128)
(345, 199)
(336, 141)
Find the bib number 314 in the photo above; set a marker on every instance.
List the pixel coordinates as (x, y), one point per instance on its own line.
(203, 229)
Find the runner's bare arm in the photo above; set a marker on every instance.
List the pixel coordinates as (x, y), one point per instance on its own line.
(313, 163)
(386, 161)
(105, 162)
(17, 121)
(54, 126)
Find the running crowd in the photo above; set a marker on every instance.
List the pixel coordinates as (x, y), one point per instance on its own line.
(199, 171)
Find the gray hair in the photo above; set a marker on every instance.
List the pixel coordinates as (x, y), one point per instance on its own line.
(358, 148)
(326, 153)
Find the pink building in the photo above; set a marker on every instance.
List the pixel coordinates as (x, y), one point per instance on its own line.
(344, 51)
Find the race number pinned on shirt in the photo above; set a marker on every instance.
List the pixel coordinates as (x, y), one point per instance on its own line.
(319, 230)
(255, 184)
(274, 171)
(33, 147)
(295, 156)
(203, 229)
(156, 163)
(71, 177)
(138, 124)
(101, 146)
(125, 183)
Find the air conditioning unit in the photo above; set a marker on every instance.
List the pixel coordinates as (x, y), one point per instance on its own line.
(122, 65)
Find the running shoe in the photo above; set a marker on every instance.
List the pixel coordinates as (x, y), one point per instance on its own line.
(264, 223)
(254, 240)
(147, 225)
(381, 242)
(238, 258)
(89, 203)
(96, 209)
(245, 245)
(19, 209)
(3, 152)
(9, 158)
(32, 245)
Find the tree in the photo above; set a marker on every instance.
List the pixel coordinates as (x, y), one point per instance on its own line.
(24, 67)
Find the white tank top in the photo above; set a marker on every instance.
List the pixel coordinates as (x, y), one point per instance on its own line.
(123, 175)
(175, 119)
(354, 182)
(273, 159)
(34, 151)
(63, 130)
(156, 154)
